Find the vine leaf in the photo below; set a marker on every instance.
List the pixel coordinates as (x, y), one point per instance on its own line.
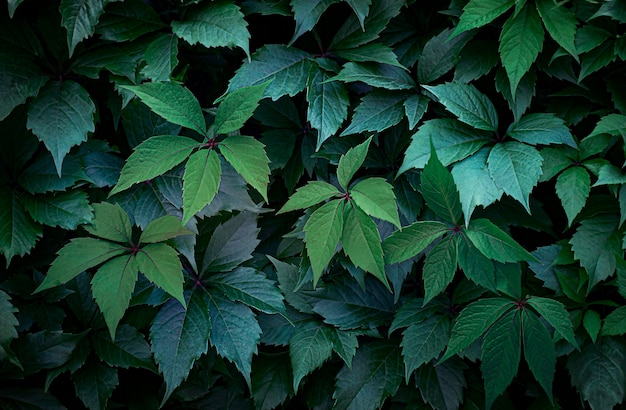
(439, 190)
(424, 341)
(160, 264)
(18, 232)
(248, 157)
(375, 197)
(411, 240)
(351, 161)
(237, 107)
(560, 23)
(328, 105)
(80, 17)
(494, 243)
(539, 351)
(322, 232)
(478, 13)
(308, 195)
(307, 13)
(572, 187)
(310, 346)
(440, 266)
(201, 181)
(555, 314)
(231, 244)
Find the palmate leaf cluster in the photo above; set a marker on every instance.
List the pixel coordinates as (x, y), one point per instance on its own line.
(312, 204)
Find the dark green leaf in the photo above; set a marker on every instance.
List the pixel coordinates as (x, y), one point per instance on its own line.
(377, 111)
(8, 322)
(21, 79)
(439, 190)
(592, 324)
(127, 21)
(555, 314)
(29, 398)
(545, 129)
(345, 343)
(161, 58)
(79, 17)
(248, 157)
(231, 244)
(478, 58)
(308, 195)
(307, 13)
(614, 322)
(322, 233)
(612, 124)
(328, 105)
(130, 349)
(414, 108)
(271, 381)
(375, 197)
(160, 264)
(478, 13)
(560, 23)
(476, 266)
(372, 52)
(361, 9)
(424, 341)
(110, 222)
(442, 386)
(18, 232)
(200, 182)
(494, 243)
(45, 349)
(237, 107)
(376, 75)
(572, 187)
(440, 55)
(94, 383)
(310, 346)
(440, 266)
(64, 209)
(539, 351)
(140, 123)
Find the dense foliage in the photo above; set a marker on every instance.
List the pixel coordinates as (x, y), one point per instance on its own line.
(312, 204)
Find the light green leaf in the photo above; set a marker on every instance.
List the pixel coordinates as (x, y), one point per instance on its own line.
(237, 107)
(372, 52)
(592, 324)
(95, 383)
(61, 116)
(439, 190)
(415, 107)
(247, 156)
(440, 55)
(65, 209)
(310, 346)
(200, 182)
(308, 195)
(110, 222)
(478, 13)
(160, 264)
(375, 197)
(161, 58)
(77, 256)
(544, 129)
(173, 102)
(515, 168)
(307, 13)
(411, 240)
(321, 235)
(328, 105)
(560, 23)
(615, 322)
(214, 24)
(375, 74)
(539, 351)
(424, 341)
(555, 314)
(572, 187)
(440, 266)
(21, 79)
(494, 243)
(80, 17)
(361, 242)
(162, 229)
(377, 111)
(231, 244)
(467, 103)
(521, 40)
(128, 20)
(351, 161)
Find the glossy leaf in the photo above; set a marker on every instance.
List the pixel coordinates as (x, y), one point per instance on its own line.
(376, 75)
(307, 14)
(439, 267)
(615, 322)
(560, 24)
(541, 129)
(22, 79)
(373, 52)
(18, 232)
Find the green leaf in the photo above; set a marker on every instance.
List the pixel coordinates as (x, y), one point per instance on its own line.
(110, 222)
(45, 349)
(216, 24)
(501, 355)
(321, 235)
(28, 398)
(21, 79)
(592, 324)
(376, 75)
(372, 52)
(179, 337)
(127, 21)
(442, 386)
(251, 287)
(361, 242)
(572, 187)
(473, 321)
(160, 264)
(41, 176)
(200, 182)
(555, 314)
(597, 371)
(248, 157)
(288, 67)
(376, 374)
(467, 103)
(310, 346)
(520, 102)
(478, 13)
(476, 266)
(377, 111)
(539, 351)
(521, 40)
(612, 124)
(440, 266)
(351, 161)
(328, 105)
(8, 321)
(112, 287)
(440, 55)
(237, 107)
(80, 17)
(308, 195)
(130, 348)
(375, 197)
(478, 58)
(271, 381)
(439, 190)
(64, 209)
(453, 141)
(411, 240)
(162, 229)
(307, 13)
(424, 341)
(361, 9)
(415, 107)
(13, 5)
(515, 168)
(61, 116)
(545, 129)
(152, 158)
(345, 344)
(560, 23)
(77, 256)
(235, 332)
(494, 243)
(161, 58)
(609, 174)
(614, 322)
(18, 232)
(95, 383)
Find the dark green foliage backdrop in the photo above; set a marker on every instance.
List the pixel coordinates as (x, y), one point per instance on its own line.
(312, 204)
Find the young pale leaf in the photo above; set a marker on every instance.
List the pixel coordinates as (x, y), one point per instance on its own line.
(515, 168)
(375, 197)
(307, 13)
(494, 243)
(179, 337)
(376, 75)
(130, 348)
(350, 162)
(521, 41)
(216, 24)
(476, 266)
(467, 103)
(311, 194)
(110, 222)
(361, 242)
(439, 190)
(424, 341)
(372, 52)
(112, 287)
(501, 355)
(615, 322)
(80, 17)
(310, 346)
(173, 102)
(560, 23)
(61, 116)
(478, 13)
(200, 182)
(473, 321)
(572, 187)
(377, 111)
(95, 383)
(77, 256)
(64, 209)
(328, 105)
(161, 58)
(555, 314)
(321, 235)
(248, 157)
(439, 56)
(411, 240)
(442, 386)
(376, 373)
(160, 264)
(237, 107)
(544, 129)
(231, 244)
(440, 266)
(539, 350)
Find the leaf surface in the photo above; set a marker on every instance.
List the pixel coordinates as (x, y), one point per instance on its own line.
(494, 243)
(310, 346)
(110, 222)
(64, 209)
(201, 181)
(440, 55)
(572, 187)
(161, 58)
(439, 190)
(351, 161)
(375, 197)
(377, 111)
(231, 244)
(237, 107)
(306, 14)
(555, 314)
(328, 105)
(247, 155)
(160, 264)
(440, 266)
(376, 75)
(478, 13)
(411, 240)
(79, 17)
(541, 128)
(539, 351)
(423, 342)
(308, 195)
(162, 229)
(94, 383)
(322, 232)
(560, 24)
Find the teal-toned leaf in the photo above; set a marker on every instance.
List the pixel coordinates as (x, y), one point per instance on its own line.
(442, 386)
(361, 242)
(21, 79)
(515, 168)
(307, 14)
(216, 24)
(112, 287)
(440, 266)
(615, 322)
(95, 383)
(237, 107)
(589, 37)
(478, 13)
(375, 74)
(555, 314)
(476, 266)
(61, 116)
(351, 161)
(162, 229)
(467, 103)
(328, 105)
(411, 240)
(160, 264)
(410, 313)
(375, 197)
(45, 349)
(572, 187)
(439, 190)
(152, 158)
(372, 52)
(521, 40)
(501, 355)
(612, 124)
(308, 195)
(64, 209)
(424, 341)
(560, 23)
(18, 232)
(80, 17)
(345, 344)
(322, 232)
(409, 200)
(478, 58)
(440, 55)
(129, 349)
(179, 337)
(377, 111)
(141, 123)
(161, 58)
(200, 182)
(415, 107)
(609, 174)
(13, 5)
(592, 324)
(544, 129)
(77, 256)
(173, 102)
(520, 102)
(554, 161)
(311, 345)
(121, 60)
(103, 168)
(247, 156)
(231, 244)
(127, 21)
(494, 243)
(473, 321)
(271, 381)
(29, 397)
(110, 222)
(596, 59)
(539, 351)
(8, 321)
